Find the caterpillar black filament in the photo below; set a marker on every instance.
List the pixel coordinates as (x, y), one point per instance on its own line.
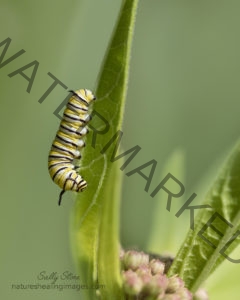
(68, 141)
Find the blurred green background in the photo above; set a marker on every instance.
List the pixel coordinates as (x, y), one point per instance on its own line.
(183, 96)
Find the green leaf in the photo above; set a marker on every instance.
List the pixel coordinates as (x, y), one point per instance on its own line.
(197, 258)
(95, 233)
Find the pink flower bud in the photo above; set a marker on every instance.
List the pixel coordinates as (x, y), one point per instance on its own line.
(157, 266)
(132, 284)
(174, 284)
(133, 259)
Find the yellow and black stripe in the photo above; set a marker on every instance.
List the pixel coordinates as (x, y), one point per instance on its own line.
(68, 142)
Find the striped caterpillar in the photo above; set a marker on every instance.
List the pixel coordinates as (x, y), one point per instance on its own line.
(68, 141)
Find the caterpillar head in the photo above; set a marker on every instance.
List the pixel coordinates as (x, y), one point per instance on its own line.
(85, 95)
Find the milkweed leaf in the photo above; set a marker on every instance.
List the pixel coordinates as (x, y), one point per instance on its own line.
(204, 247)
(95, 232)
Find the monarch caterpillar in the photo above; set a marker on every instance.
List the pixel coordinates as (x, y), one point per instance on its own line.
(68, 141)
